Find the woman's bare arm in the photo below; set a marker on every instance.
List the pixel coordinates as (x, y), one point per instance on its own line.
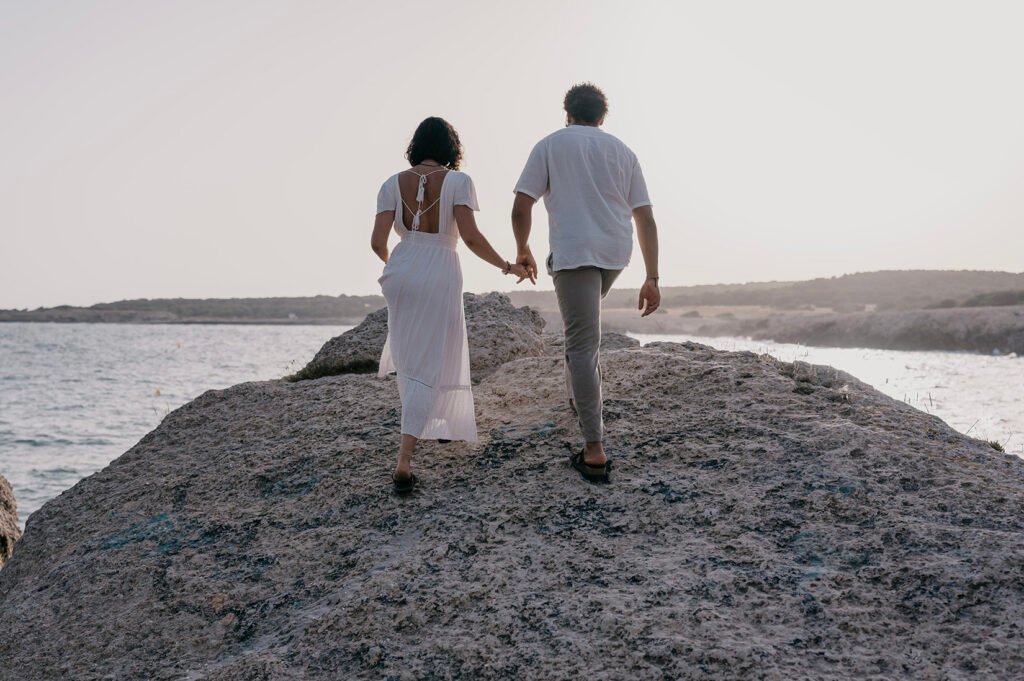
(479, 244)
(381, 231)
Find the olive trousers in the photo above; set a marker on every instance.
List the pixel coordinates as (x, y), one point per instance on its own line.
(579, 292)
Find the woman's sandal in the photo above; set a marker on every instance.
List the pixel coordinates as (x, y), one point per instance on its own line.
(404, 485)
(588, 471)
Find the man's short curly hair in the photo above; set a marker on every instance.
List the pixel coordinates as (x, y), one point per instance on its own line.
(586, 103)
(436, 139)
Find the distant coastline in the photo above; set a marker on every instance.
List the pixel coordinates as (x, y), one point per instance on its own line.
(985, 330)
(971, 311)
(319, 310)
(214, 321)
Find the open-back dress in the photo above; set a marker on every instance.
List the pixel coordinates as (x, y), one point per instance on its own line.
(427, 345)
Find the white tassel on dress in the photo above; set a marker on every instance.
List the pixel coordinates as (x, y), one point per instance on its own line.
(419, 203)
(422, 188)
(420, 194)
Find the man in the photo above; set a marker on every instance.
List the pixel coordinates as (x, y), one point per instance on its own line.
(592, 187)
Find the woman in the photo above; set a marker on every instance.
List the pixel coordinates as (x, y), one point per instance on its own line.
(430, 206)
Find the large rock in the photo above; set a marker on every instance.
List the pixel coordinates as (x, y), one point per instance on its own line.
(498, 332)
(9, 530)
(357, 351)
(765, 520)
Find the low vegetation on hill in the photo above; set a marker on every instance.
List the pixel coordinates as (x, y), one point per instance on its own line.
(990, 299)
(891, 290)
(312, 309)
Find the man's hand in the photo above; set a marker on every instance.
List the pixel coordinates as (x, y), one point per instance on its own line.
(649, 296)
(520, 271)
(522, 219)
(526, 260)
(647, 237)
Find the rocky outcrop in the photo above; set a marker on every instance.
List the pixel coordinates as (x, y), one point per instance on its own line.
(9, 530)
(357, 351)
(617, 341)
(765, 520)
(610, 340)
(498, 333)
(976, 329)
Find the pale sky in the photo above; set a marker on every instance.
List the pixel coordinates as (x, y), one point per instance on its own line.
(220, 148)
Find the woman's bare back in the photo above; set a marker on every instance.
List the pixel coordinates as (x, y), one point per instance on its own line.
(408, 186)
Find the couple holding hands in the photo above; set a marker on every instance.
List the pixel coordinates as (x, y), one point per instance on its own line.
(593, 190)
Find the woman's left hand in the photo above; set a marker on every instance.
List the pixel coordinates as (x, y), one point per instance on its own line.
(522, 272)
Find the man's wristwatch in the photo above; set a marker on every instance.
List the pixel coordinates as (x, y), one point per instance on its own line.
(508, 267)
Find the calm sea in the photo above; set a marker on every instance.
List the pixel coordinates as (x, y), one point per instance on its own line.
(73, 397)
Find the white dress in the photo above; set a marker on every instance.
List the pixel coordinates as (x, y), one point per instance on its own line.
(427, 345)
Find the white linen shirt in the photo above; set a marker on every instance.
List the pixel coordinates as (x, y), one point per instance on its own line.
(590, 182)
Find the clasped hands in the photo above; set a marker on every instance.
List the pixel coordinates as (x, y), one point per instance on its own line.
(525, 267)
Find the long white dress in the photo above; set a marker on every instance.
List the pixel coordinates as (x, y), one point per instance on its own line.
(427, 345)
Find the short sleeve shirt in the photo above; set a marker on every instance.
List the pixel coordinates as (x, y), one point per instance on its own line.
(590, 182)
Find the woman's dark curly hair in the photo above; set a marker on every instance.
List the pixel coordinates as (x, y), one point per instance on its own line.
(436, 139)
(586, 103)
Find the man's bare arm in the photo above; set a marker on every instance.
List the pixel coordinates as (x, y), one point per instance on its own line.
(522, 222)
(647, 236)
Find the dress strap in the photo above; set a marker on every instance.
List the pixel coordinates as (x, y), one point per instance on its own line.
(420, 189)
(410, 170)
(418, 212)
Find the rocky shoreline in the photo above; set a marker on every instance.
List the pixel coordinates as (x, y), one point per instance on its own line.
(988, 330)
(985, 330)
(766, 520)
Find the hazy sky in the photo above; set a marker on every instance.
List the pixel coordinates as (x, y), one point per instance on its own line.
(235, 148)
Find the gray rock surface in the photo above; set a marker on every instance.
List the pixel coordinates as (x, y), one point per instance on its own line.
(610, 340)
(498, 332)
(617, 341)
(357, 351)
(9, 530)
(766, 520)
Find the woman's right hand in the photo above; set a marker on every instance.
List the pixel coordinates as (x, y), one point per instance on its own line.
(523, 272)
